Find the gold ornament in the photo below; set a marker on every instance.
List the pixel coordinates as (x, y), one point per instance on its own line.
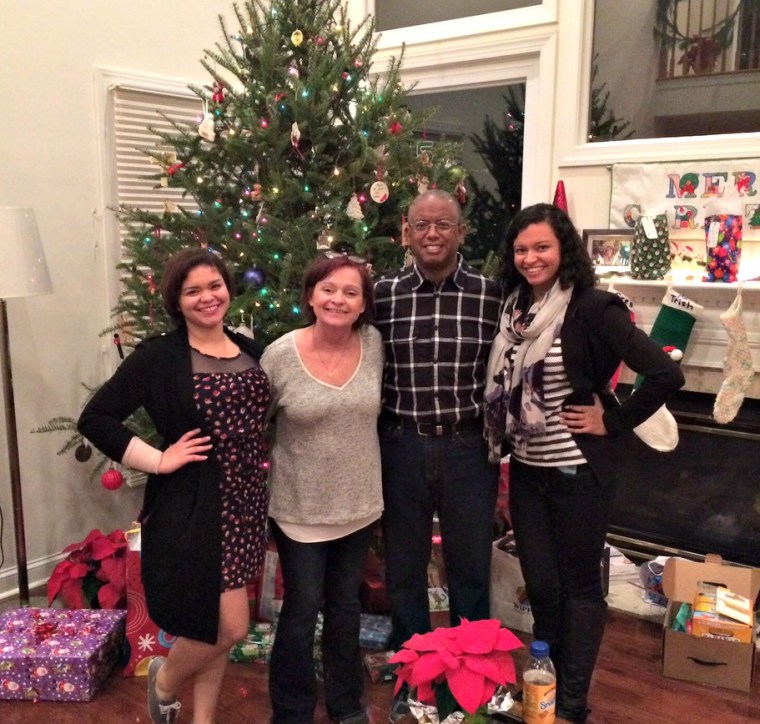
(297, 38)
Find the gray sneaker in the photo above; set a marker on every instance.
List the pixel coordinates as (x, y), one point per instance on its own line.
(160, 712)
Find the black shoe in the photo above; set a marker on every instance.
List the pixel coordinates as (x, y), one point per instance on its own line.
(399, 710)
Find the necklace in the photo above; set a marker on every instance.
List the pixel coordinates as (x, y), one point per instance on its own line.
(329, 370)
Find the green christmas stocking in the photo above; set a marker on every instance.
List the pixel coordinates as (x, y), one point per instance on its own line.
(673, 324)
(737, 365)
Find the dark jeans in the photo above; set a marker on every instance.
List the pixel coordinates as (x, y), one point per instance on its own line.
(560, 525)
(324, 575)
(421, 475)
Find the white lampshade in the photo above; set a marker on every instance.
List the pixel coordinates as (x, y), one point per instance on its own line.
(23, 271)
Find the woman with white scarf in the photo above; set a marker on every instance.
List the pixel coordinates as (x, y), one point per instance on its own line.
(548, 400)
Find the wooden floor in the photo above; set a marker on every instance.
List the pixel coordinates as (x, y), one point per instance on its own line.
(628, 688)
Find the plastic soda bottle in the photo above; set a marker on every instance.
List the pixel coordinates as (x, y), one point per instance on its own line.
(539, 686)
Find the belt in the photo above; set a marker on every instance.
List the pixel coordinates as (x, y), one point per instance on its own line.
(436, 429)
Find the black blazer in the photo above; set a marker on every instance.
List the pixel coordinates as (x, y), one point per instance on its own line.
(597, 335)
(181, 512)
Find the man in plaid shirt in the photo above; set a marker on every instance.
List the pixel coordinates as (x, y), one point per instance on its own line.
(437, 319)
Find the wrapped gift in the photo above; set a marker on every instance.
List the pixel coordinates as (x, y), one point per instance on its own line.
(58, 654)
(378, 667)
(145, 639)
(257, 645)
(374, 631)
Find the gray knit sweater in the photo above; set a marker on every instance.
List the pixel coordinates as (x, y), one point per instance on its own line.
(325, 459)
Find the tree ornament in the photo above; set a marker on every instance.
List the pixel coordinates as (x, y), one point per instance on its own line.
(354, 209)
(218, 93)
(378, 192)
(206, 128)
(293, 72)
(325, 240)
(295, 135)
(396, 128)
(358, 62)
(319, 40)
(460, 191)
(254, 277)
(425, 159)
(256, 192)
(423, 183)
(297, 37)
(83, 452)
(112, 479)
(457, 173)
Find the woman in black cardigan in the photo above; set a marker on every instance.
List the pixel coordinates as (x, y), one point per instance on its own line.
(204, 511)
(548, 395)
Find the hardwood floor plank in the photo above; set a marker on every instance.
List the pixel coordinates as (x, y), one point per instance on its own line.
(628, 688)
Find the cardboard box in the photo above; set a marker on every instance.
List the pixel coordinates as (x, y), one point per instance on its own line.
(706, 660)
(56, 654)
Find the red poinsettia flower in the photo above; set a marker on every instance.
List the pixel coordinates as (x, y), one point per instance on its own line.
(472, 659)
(94, 573)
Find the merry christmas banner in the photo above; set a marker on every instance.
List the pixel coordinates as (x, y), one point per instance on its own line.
(687, 192)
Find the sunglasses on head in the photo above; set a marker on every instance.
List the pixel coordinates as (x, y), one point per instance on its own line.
(330, 254)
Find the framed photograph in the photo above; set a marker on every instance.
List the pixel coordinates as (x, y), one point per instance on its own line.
(609, 249)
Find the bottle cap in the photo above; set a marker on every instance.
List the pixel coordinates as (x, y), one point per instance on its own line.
(539, 648)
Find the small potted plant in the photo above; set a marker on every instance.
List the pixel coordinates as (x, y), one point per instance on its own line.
(459, 669)
(94, 574)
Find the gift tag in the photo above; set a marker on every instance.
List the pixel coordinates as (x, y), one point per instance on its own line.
(712, 234)
(647, 222)
(379, 192)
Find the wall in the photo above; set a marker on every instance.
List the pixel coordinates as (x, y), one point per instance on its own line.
(48, 135)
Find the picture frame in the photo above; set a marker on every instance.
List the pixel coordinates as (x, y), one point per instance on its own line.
(609, 249)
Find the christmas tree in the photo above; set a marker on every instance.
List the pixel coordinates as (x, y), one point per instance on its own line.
(501, 148)
(300, 150)
(603, 125)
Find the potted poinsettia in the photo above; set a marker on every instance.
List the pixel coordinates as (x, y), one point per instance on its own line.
(458, 669)
(94, 574)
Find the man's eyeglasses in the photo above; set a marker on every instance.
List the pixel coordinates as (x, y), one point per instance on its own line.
(330, 254)
(444, 225)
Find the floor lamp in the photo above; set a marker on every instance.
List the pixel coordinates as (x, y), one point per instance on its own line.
(23, 273)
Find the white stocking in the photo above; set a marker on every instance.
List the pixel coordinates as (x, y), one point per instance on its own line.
(737, 365)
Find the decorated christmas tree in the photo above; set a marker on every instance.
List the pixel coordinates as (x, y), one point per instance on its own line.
(501, 148)
(303, 148)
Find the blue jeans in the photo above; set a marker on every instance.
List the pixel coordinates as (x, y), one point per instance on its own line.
(560, 524)
(423, 475)
(316, 576)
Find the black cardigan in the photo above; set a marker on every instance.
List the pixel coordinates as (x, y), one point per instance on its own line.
(597, 335)
(181, 513)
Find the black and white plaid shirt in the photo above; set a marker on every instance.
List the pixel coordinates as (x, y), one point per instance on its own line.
(437, 340)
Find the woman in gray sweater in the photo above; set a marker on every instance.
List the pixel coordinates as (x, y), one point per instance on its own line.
(325, 487)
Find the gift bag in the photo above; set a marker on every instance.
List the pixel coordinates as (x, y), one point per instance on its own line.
(650, 251)
(144, 638)
(724, 247)
(509, 603)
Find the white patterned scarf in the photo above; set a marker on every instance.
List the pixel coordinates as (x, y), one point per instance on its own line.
(514, 396)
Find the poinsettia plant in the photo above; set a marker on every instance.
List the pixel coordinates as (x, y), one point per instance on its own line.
(94, 574)
(458, 668)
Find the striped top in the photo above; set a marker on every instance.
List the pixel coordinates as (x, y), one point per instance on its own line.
(556, 447)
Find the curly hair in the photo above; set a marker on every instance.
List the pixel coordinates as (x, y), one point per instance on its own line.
(575, 266)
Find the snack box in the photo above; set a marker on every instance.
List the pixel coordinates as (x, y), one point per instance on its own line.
(706, 660)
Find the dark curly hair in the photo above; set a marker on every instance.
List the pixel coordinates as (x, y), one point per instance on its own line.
(176, 270)
(575, 265)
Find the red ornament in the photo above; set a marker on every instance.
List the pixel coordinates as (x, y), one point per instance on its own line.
(218, 94)
(396, 128)
(112, 479)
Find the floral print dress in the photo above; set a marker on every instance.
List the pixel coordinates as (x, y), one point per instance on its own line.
(233, 395)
